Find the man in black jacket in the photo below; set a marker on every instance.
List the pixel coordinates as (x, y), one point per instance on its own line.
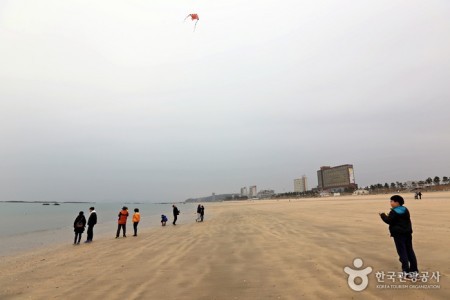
(401, 230)
(176, 212)
(91, 222)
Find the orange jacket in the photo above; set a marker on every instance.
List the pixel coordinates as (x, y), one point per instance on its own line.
(123, 215)
(136, 217)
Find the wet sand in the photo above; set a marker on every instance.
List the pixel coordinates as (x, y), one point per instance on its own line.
(244, 250)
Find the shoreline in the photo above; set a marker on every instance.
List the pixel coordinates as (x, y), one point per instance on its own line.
(41, 226)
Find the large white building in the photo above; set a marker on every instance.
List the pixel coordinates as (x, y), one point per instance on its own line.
(301, 184)
(244, 191)
(252, 191)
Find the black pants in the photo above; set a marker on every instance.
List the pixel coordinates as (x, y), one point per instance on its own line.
(77, 237)
(175, 217)
(90, 233)
(124, 227)
(406, 253)
(135, 224)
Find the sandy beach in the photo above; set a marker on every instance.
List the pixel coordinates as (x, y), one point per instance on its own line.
(270, 249)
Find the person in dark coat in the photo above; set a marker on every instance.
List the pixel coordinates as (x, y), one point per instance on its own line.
(400, 228)
(199, 213)
(176, 212)
(78, 226)
(202, 213)
(91, 223)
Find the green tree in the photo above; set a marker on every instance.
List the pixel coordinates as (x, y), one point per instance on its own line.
(386, 185)
(437, 180)
(414, 184)
(421, 183)
(392, 185)
(429, 180)
(445, 179)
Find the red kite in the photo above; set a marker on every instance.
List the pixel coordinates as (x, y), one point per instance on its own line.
(193, 17)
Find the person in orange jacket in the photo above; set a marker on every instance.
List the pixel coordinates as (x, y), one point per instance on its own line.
(136, 219)
(122, 222)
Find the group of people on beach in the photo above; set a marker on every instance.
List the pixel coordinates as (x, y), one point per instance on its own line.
(398, 218)
(80, 222)
(200, 213)
(122, 221)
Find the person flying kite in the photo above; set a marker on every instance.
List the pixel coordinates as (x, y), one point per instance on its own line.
(193, 17)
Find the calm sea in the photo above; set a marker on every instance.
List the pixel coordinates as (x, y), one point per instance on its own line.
(24, 226)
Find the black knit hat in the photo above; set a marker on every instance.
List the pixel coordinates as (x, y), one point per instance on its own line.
(399, 199)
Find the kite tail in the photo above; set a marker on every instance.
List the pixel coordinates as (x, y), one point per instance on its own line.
(186, 18)
(195, 25)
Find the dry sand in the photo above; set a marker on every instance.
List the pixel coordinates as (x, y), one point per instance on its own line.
(250, 250)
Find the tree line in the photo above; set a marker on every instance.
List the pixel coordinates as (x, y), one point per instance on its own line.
(415, 184)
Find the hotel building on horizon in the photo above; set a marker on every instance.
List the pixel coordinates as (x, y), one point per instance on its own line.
(336, 179)
(301, 184)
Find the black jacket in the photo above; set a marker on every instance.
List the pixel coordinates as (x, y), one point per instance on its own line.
(92, 219)
(399, 221)
(176, 212)
(82, 219)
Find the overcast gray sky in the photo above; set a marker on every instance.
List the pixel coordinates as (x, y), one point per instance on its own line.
(122, 101)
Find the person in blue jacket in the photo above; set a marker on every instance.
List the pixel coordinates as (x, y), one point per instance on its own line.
(400, 228)
(163, 220)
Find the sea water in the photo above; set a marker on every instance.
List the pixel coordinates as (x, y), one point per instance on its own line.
(24, 226)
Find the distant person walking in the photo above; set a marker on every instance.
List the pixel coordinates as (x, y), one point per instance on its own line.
(78, 227)
(401, 230)
(176, 212)
(420, 195)
(202, 213)
(136, 219)
(91, 223)
(122, 222)
(199, 213)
